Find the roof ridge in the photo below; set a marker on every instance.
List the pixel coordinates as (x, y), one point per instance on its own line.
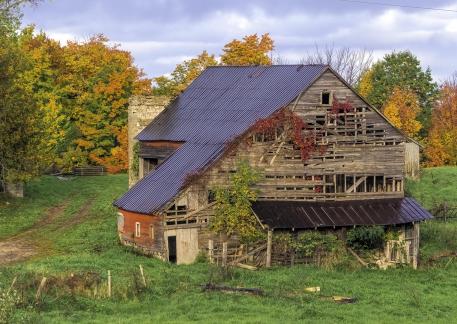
(263, 65)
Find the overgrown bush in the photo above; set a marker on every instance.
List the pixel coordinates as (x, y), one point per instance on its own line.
(8, 303)
(306, 243)
(366, 237)
(331, 251)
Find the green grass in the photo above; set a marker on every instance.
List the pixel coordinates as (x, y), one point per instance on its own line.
(435, 185)
(174, 294)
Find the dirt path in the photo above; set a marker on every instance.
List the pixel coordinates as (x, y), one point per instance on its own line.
(23, 246)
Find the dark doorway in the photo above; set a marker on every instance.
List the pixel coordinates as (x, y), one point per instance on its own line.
(172, 249)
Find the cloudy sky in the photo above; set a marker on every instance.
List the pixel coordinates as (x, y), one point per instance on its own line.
(162, 33)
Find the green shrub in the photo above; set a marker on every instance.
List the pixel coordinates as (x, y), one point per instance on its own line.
(305, 243)
(366, 237)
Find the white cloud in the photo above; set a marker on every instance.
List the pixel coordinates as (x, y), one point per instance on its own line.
(163, 34)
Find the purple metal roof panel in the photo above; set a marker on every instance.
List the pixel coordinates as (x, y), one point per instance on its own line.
(222, 103)
(303, 215)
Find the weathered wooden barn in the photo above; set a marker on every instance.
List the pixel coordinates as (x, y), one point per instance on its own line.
(353, 176)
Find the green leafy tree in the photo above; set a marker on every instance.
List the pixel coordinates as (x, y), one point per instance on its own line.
(20, 120)
(46, 54)
(400, 70)
(233, 213)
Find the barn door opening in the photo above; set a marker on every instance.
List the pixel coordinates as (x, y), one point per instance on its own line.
(172, 249)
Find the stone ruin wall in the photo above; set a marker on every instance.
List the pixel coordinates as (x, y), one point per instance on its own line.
(142, 110)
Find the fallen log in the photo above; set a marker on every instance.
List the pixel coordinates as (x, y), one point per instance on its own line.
(442, 255)
(361, 261)
(246, 266)
(226, 289)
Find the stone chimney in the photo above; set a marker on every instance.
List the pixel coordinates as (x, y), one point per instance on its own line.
(142, 110)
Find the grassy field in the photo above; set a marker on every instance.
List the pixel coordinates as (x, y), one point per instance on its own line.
(76, 237)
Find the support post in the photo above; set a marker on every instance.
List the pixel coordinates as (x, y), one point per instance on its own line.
(224, 254)
(40, 288)
(109, 284)
(416, 234)
(211, 251)
(269, 244)
(12, 285)
(142, 276)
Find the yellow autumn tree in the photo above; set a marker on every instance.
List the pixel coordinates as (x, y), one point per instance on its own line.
(402, 109)
(45, 55)
(441, 146)
(183, 75)
(365, 86)
(251, 50)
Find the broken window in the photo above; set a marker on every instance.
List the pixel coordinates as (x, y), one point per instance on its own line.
(211, 196)
(177, 210)
(149, 164)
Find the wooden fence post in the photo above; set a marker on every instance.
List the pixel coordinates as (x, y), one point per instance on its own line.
(142, 275)
(40, 288)
(269, 243)
(109, 284)
(12, 285)
(224, 254)
(211, 251)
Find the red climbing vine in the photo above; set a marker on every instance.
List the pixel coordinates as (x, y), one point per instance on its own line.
(339, 107)
(296, 130)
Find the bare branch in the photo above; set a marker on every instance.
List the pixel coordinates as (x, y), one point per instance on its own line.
(348, 62)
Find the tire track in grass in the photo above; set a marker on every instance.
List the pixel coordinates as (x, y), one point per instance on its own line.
(28, 243)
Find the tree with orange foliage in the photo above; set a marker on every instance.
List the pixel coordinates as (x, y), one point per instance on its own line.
(441, 146)
(251, 50)
(97, 82)
(402, 109)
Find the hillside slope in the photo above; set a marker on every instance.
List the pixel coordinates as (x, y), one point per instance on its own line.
(71, 227)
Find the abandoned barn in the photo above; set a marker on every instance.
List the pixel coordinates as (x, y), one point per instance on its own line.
(328, 162)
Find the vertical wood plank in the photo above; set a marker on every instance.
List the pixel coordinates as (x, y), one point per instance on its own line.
(224, 254)
(269, 244)
(109, 283)
(211, 251)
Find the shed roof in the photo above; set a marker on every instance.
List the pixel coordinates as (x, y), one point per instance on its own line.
(306, 215)
(222, 103)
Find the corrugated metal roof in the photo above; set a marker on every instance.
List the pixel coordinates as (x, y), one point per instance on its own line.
(222, 103)
(304, 215)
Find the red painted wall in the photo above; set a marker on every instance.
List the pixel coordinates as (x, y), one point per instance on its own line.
(127, 232)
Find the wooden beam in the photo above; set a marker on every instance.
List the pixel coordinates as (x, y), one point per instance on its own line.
(247, 255)
(355, 185)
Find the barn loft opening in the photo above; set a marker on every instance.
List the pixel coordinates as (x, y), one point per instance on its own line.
(325, 98)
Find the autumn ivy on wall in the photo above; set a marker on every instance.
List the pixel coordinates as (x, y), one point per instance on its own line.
(136, 159)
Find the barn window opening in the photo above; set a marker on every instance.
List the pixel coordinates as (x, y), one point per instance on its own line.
(149, 164)
(325, 98)
(137, 229)
(211, 196)
(177, 210)
(151, 231)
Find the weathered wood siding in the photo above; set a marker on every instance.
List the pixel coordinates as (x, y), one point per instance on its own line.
(359, 155)
(412, 160)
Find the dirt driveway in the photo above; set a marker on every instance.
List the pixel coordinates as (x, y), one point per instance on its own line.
(25, 245)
